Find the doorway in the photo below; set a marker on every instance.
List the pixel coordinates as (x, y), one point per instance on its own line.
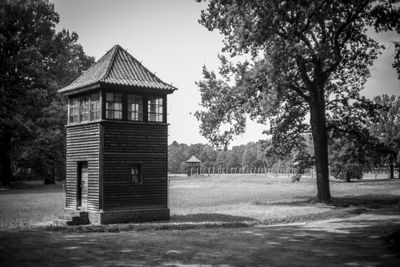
(82, 186)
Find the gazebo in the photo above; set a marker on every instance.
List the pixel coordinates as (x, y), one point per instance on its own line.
(193, 166)
(117, 142)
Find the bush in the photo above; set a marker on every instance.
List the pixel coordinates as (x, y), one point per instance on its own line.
(347, 171)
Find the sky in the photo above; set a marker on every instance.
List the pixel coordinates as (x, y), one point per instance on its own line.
(167, 38)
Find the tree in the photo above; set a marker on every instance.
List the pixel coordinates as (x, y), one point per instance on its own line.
(386, 129)
(208, 156)
(177, 156)
(348, 158)
(302, 57)
(249, 156)
(34, 62)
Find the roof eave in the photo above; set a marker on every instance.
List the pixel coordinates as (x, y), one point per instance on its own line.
(78, 90)
(99, 84)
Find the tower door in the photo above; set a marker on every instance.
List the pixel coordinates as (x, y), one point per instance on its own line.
(82, 194)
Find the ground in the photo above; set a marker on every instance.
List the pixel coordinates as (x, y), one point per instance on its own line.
(351, 232)
(355, 241)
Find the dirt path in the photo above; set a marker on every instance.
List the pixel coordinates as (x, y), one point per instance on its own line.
(355, 241)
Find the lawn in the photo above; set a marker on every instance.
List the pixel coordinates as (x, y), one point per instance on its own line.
(268, 199)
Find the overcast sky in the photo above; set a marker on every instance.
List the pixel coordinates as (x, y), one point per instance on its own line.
(167, 38)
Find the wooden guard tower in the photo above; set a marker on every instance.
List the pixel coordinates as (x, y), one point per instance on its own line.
(116, 141)
(193, 166)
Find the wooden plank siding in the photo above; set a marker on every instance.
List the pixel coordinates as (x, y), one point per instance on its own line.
(126, 145)
(83, 144)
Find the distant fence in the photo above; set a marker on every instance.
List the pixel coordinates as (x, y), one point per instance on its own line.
(379, 173)
(261, 171)
(374, 173)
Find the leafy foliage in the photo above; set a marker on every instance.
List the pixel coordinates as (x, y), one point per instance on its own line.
(386, 130)
(246, 157)
(35, 61)
(348, 159)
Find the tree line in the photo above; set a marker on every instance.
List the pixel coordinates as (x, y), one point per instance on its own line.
(350, 155)
(244, 156)
(35, 61)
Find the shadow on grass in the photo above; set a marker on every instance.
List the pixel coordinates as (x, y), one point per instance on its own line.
(366, 181)
(371, 201)
(351, 243)
(33, 187)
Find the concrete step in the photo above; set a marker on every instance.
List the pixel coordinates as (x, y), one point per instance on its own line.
(74, 218)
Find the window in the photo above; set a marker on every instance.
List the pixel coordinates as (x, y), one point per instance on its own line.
(135, 108)
(84, 108)
(136, 174)
(74, 110)
(155, 109)
(95, 107)
(113, 106)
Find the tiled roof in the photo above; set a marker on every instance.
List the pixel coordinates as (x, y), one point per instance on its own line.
(193, 159)
(118, 67)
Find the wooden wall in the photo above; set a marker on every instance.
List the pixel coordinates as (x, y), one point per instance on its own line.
(83, 144)
(127, 144)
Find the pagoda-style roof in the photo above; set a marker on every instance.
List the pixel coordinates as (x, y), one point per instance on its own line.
(193, 159)
(118, 68)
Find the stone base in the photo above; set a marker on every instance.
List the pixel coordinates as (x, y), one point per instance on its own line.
(128, 216)
(76, 217)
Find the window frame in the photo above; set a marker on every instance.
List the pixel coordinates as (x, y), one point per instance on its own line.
(139, 174)
(159, 109)
(84, 108)
(139, 110)
(113, 109)
(76, 111)
(96, 111)
(75, 108)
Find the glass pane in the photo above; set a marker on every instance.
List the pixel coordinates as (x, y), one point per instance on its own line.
(117, 106)
(114, 106)
(155, 109)
(136, 176)
(109, 114)
(84, 108)
(117, 115)
(95, 115)
(95, 97)
(109, 105)
(73, 110)
(135, 107)
(109, 96)
(117, 97)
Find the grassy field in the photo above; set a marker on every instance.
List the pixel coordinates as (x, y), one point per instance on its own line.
(215, 198)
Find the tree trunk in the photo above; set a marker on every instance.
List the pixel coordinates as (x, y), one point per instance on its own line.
(5, 161)
(320, 140)
(398, 170)
(391, 167)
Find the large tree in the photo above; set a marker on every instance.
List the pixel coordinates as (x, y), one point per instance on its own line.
(302, 57)
(35, 61)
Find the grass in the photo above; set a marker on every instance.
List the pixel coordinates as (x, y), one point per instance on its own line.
(29, 203)
(211, 200)
(274, 199)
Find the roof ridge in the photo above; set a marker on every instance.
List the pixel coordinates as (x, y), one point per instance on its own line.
(112, 61)
(146, 69)
(193, 158)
